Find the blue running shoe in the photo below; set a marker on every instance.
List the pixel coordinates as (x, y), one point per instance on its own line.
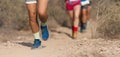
(45, 33)
(37, 43)
(83, 28)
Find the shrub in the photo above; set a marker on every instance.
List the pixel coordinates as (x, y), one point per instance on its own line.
(108, 19)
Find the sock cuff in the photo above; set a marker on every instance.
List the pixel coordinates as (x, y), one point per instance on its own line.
(36, 35)
(74, 28)
(43, 23)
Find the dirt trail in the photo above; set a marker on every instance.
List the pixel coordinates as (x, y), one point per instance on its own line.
(60, 44)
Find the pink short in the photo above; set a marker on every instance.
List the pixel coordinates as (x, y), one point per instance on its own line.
(70, 6)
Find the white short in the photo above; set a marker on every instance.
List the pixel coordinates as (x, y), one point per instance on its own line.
(85, 2)
(30, 1)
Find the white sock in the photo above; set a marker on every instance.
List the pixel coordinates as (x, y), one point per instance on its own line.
(36, 35)
(43, 24)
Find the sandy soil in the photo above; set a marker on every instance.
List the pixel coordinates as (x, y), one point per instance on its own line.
(60, 44)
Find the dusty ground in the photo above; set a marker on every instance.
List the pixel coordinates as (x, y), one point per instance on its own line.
(60, 44)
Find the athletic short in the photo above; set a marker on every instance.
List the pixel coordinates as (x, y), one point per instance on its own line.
(84, 7)
(70, 5)
(85, 2)
(90, 2)
(30, 1)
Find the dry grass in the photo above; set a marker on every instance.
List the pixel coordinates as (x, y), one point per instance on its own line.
(108, 18)
(57, 11)
(16, 17)
(13, 14)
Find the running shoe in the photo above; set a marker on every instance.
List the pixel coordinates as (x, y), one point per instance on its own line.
(83, 28)
(45, 33)
(37, 43)
(74, 35)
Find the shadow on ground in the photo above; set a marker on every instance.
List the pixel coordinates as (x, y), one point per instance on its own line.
(63, 33)
(26, 44)
(30, 45)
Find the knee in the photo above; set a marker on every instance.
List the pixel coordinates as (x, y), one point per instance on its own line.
(84, 13)
(42, 13)
(76, 17)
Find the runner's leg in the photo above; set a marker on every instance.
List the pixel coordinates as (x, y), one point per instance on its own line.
(76, 15)
(76, 20)
(89, 12)
(34, 24)
(84, 15)
(42, 8)
(84, 18)
(33, 17)
(71, 16)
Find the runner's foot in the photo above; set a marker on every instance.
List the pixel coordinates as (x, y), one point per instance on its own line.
(37, 43)
(45, 33)
(83, 28)
(74, 35)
